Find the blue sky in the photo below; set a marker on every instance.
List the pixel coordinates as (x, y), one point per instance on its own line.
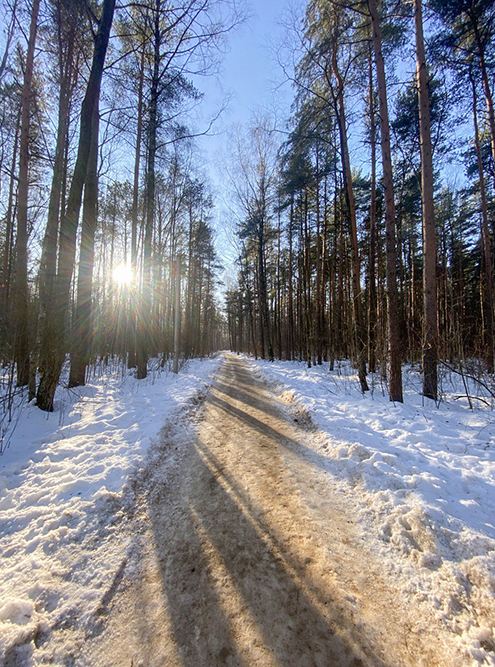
(249, 68)
(247, 75)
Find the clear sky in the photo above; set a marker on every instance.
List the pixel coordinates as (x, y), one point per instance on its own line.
(248, 77)
(249, 68)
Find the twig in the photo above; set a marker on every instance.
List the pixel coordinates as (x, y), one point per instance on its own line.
(472, 377)
(466, 387)
(478, 398)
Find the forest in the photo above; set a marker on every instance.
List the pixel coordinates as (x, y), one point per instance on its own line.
(353, 240)
(95, 263)
(247, 382)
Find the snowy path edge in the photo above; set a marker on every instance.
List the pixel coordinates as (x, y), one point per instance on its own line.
(66, 499)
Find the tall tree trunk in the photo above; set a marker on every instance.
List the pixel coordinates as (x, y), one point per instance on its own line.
(351, 208)
(340, 314)
(306, 268)
(144, 325)
(430, 335)
(266, 338)
(484, 77)
(487, 302)
(279, 290)
(132, 342)
(290, 304)
(319, 268)
(189, 297)
(261, 297)
(52, 355)
(395, 375)
(21, 351)
(83, 321)
(177, 315)
(241, 324)
(8, 38)
(48, 263)
(325, 259)
(7, 256)
(372, 305)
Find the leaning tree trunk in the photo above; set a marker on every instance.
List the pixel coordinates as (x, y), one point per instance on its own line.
(430, 324)
(52, 354)
(22, 292)
(395, 374)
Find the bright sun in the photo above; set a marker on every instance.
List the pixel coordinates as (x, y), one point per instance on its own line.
(123, 274)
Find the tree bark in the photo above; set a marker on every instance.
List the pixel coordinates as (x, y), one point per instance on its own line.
(83, 321)
(395, 374)
(290, 296)
(132, 342)
(22, 355)
(266, 338)
(7, 257)
(52, 355)
(177, 315)
(144, 325)
(487, 301)
(48, 263)
(484, 79)
(430, 324)
(372, 304)
(351, 208)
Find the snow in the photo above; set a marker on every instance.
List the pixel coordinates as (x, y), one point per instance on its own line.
(65, 481)
(419, 478)
(422, 477)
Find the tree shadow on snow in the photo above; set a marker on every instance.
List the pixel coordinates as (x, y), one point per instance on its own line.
(235, 591)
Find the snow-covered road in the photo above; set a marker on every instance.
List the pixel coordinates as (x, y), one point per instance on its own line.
(423, 476)
(255, 555)
(290, 485)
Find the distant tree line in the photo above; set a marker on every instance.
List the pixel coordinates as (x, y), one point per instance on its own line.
(98, 183)
(352, 241)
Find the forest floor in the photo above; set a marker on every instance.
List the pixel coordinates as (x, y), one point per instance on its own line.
(250, 531)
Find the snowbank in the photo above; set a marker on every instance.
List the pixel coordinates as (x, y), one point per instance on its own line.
(63, 483)
(423, 479)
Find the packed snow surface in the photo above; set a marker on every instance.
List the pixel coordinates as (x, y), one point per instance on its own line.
(424, 478)
(419, 476)
(63, 486)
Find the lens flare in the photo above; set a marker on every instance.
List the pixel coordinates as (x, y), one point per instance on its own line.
(123, 274)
